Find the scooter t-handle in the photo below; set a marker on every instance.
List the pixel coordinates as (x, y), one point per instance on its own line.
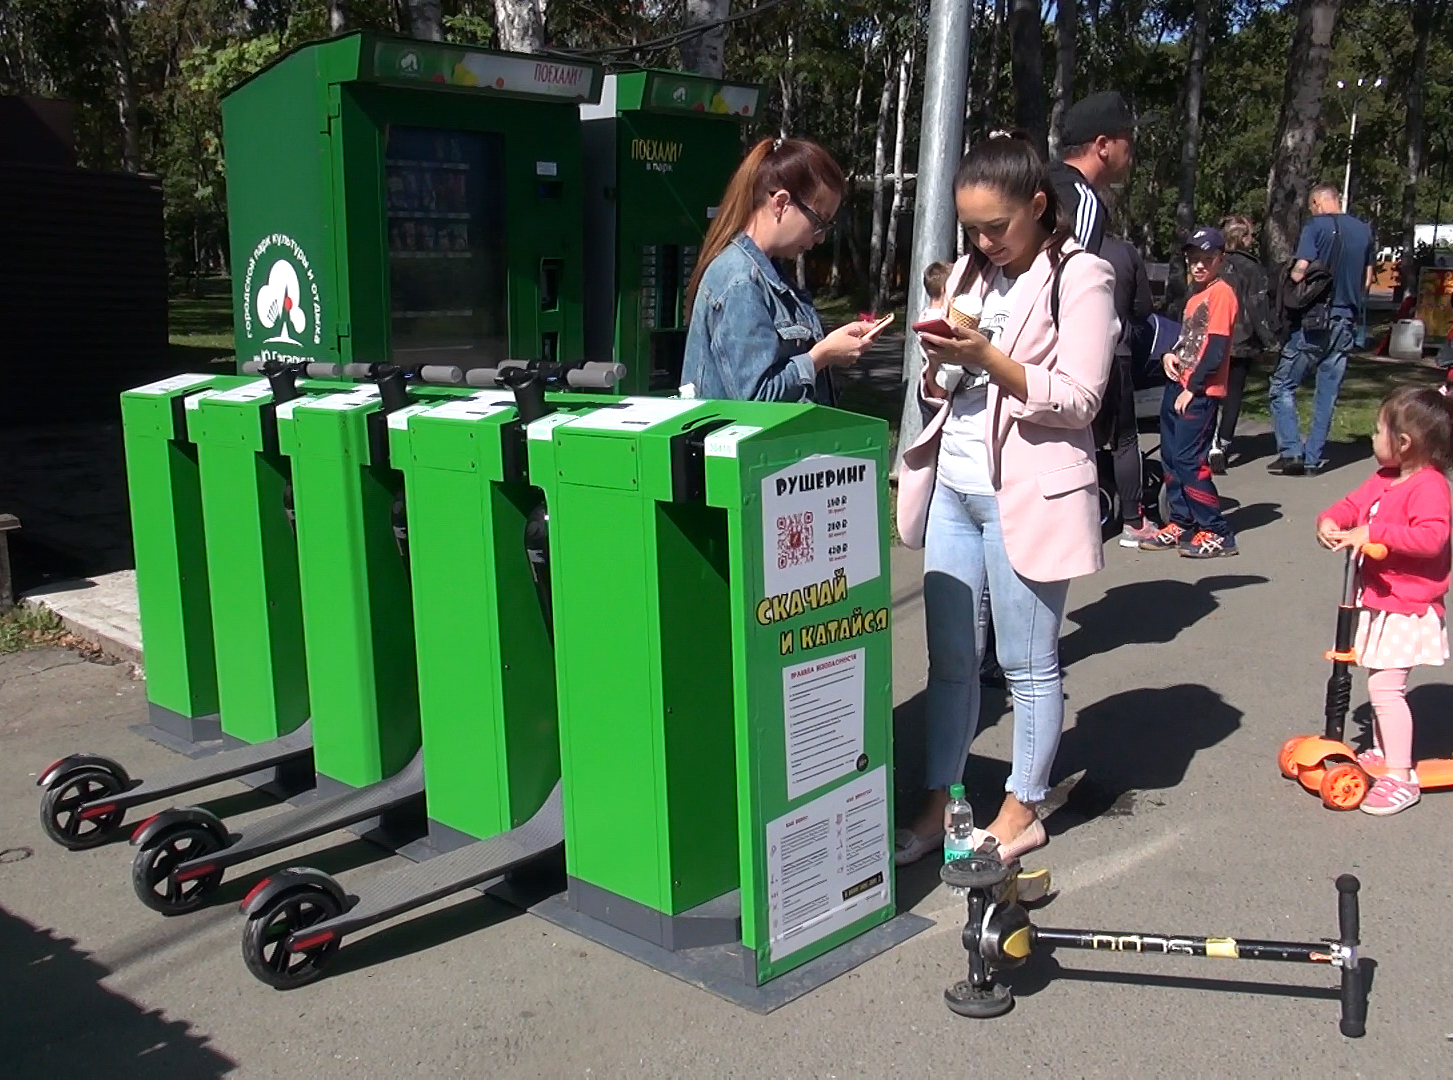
(1375, 552)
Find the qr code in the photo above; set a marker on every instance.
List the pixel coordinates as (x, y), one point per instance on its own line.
(794, 539)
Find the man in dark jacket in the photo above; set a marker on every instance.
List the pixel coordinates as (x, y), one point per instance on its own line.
(1099, 149)
(1116, 422)
(1253, 334)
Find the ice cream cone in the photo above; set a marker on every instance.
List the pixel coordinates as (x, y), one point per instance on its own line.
(959, 316)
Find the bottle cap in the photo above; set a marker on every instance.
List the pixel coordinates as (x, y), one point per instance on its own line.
(956, 791)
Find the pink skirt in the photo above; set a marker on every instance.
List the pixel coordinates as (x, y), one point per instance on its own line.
(1386, 639)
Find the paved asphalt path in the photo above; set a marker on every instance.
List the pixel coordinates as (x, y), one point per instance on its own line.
(1183, 679)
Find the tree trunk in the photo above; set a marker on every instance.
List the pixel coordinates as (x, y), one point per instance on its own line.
(1290, 177)
(426, 20)
(1066, 19)
(1026, 53)
(996, 58)
(787, 81)
(520, 24)
(705, 53)
(118, 15)
(900, 139)
(880, 167)
(338, 17)
(1191, 142)
(1426, 15)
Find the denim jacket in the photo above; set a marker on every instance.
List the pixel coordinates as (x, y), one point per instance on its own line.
(750, 334)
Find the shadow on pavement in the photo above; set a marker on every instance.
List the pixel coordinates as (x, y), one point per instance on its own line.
(1145, 612)
(58, 1020)
(1432, 708)
(1134, 743)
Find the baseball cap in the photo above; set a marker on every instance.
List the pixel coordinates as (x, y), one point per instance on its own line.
(1099, 114)
(1206, 238)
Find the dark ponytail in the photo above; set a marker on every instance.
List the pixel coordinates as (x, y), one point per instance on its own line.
(1008, 163)
(799, 166)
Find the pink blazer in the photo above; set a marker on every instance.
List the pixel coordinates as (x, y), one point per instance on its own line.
(1041, 456)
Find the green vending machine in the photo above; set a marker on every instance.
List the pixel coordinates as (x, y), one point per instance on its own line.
(173, 591)
(402, 201)
(659, 149)
(725, 685)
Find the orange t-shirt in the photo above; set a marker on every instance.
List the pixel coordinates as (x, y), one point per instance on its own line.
(1209, 313)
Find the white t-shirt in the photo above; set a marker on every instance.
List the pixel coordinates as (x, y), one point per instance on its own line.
(963, 455)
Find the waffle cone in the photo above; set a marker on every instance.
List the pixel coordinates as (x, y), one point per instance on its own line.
(962, 319)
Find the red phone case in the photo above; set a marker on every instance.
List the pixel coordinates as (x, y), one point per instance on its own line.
(937, 327)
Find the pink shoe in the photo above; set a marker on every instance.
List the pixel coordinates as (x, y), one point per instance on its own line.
(1389, 796)
(1372, 759)
(1031, 838)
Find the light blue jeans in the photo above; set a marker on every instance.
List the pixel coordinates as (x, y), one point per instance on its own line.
(1322, 351)
(963, 552)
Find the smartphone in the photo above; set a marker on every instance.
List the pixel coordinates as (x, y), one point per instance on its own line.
(938, 327)
(877, 327)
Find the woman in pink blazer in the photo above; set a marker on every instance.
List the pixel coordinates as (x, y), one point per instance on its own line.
(1001, 487)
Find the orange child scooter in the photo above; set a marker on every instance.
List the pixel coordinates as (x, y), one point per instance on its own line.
(1325, 764)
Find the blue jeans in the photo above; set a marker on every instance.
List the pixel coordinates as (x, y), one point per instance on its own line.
(1184, 441)
(1306, 350)
(964, 553)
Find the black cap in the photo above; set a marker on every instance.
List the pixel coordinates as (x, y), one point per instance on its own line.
(1206, 238)
(1099, 114)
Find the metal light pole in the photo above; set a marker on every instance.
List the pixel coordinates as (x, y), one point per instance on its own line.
(941, 142)
(1351, 138)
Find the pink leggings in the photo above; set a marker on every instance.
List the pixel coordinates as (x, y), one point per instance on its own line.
(1392, 730)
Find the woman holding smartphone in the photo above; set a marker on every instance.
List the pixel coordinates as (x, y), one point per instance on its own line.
(1000, 490)
(751, 335)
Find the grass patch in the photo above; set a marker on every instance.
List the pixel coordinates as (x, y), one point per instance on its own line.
(200, 320)
(1366, 383)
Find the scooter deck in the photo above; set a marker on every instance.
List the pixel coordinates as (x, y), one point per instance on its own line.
(418, 884)
(1432, 772)
(318, 818)
(214, 768)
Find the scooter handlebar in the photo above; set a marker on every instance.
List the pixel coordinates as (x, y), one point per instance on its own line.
(1375, 552)
(1353, 1022)
(358, 371)
(252, 367)
(604, 377)
(322, 371)
(443, 374)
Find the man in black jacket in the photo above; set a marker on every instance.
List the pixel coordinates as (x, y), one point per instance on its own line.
(1099, 149)
(1253, 334)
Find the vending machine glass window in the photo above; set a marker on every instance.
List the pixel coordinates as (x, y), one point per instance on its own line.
(446, 238)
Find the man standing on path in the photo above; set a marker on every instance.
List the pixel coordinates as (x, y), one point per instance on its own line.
(1099, 149)
(1321, 336)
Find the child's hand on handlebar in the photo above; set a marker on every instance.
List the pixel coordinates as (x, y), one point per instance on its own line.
(1341, 539)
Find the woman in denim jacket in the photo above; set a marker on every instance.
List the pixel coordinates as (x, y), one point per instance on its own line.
(752, 336)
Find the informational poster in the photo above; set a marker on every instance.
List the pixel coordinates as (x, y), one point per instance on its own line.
(819, 518)
(828, 864)
(822, 708)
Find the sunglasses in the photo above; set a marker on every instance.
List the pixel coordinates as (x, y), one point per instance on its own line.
(819, 225)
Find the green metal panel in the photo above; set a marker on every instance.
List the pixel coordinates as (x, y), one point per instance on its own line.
(357, 616)
(735, 729)
(252, 561)
(173, 596)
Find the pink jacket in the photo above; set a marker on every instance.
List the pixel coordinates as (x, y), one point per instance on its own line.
(1413, 520)
(1041, 455)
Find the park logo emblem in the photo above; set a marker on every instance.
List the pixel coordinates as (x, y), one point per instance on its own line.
(286, 304)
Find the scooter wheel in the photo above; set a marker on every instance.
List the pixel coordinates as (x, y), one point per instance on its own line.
(60, 808)
(151, 870)
(265, 938)
(981, 1004)
(1344, 786)
(1284, 756)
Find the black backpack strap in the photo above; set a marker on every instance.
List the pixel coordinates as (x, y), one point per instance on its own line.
(1059, 269)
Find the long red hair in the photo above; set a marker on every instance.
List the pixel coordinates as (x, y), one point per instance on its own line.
(799, 166)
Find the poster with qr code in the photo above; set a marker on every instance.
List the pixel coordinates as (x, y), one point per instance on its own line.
(820, 516)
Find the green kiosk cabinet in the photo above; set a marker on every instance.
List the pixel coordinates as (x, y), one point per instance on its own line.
(407, 201)
(725, 680)
(659, 149)
(173, 593)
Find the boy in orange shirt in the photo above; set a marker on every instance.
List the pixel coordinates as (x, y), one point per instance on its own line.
(1197, 369)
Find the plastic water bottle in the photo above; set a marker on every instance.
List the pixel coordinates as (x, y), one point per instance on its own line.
(958, 827)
